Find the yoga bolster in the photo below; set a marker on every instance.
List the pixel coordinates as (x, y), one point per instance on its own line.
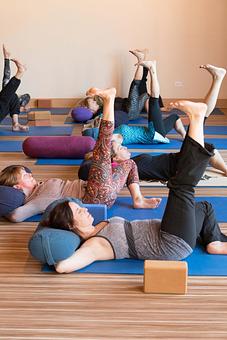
(58, 146)
(10, 199)
(81, 114)
(50, 245)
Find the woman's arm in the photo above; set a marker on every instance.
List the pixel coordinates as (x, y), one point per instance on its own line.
(94, 249)
(34, 207)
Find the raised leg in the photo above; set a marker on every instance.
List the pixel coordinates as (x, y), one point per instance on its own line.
(6, 72)
(218, 75)
(179, 216)
(138, 95)
(104, 183)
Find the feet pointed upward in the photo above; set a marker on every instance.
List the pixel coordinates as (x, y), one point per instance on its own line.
(192, 109)
(149, 64)
(217, 72)
(139, 54)
(6, 53)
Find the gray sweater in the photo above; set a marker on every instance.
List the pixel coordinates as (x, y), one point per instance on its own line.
(143, 239)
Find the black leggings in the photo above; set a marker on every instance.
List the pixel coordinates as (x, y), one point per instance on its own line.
(162, 126)
(14, 103)
(184, 217)
(143, 86)
(8, 99)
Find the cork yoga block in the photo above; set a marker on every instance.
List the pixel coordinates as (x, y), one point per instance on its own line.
(41, 122)
(47, 102)
(39, 115)
(169, 277)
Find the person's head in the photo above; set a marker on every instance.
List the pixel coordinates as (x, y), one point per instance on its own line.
(119, 153)
(92, 103)
(18, 177)
(71, 216)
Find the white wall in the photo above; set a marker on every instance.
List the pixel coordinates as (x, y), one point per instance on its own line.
(70, 45)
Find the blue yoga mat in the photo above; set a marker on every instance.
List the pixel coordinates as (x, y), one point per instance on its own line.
(38, 131)
(58, 161)
(210, 130)
(220, 143)
(69, 120)
(123, 208)
(59, 110)
(199, 264)
(53, 110)
(10, 146)
(8, 121)
(63, 161)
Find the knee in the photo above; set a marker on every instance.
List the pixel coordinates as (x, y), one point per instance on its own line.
(208, 206)
(214, 247)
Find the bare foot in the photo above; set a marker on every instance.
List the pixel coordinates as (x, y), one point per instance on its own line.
(192, 109)
(139, 54)
(6, 53)
(216, 72)
(179, 127)
(20, 128)
(149, 64)
(217, 247)
(20, 68)
(147, 203)
(104, 94)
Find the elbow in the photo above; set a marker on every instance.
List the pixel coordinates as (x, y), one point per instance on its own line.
(62, 268)
(13, 218)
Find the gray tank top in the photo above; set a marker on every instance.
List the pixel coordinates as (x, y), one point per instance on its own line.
(143, 239)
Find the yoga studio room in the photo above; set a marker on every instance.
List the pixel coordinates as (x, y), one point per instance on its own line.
(113, 169)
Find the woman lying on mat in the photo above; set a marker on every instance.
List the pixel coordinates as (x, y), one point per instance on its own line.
(163, 166)
(9, 101)
(104, 182)
(157, 127)
(172, 238)
(131, 107)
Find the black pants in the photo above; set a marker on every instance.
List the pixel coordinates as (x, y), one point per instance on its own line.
(9, 101)
(162, 126)
(143, 86)
(184, 217)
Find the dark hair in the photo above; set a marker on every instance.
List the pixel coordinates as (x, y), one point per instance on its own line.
(60, 217)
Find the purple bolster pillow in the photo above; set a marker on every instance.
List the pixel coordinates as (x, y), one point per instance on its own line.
(58, 146)
(81, 114)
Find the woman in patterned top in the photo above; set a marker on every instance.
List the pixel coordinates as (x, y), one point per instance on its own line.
(104, 182)
(172, 238)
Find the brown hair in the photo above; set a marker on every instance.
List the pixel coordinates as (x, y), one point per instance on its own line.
(84, 101)
(60, 217)
(9, 175)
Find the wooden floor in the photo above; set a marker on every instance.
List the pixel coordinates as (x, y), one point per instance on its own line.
(36, 305)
